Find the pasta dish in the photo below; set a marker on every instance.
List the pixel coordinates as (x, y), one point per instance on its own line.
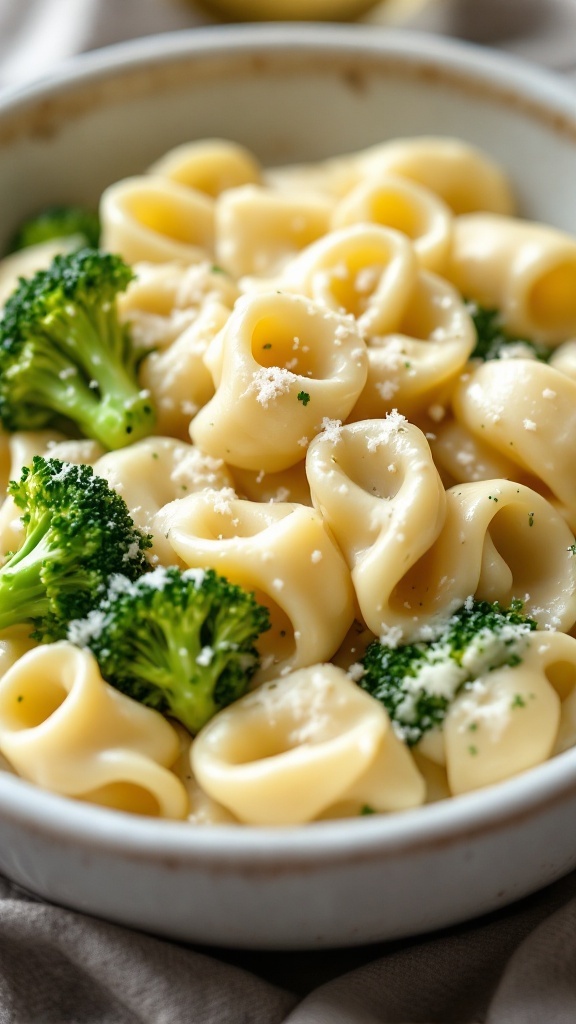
(338, 501)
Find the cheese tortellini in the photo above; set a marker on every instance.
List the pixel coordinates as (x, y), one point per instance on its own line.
(331, 436)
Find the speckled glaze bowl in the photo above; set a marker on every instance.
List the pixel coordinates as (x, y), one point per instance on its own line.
(291, 94)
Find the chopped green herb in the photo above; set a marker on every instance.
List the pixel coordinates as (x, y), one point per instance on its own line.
(495, 342)
(303, 397)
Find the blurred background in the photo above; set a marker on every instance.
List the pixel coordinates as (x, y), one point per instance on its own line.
(35, 35)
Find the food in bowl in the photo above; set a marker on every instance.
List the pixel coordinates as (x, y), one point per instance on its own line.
(341, 580)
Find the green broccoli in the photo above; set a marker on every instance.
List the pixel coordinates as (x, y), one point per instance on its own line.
(65, 356)
(495, 342)
(78, 532)
(417, 682)
(58, 221)
(180, 641)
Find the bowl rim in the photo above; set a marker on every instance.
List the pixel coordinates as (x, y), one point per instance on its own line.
(510, 75)
(544, 94)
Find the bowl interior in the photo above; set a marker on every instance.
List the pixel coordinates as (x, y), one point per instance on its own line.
(291, 94)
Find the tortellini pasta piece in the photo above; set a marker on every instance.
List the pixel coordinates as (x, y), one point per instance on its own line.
(333, 177)
(26, 262)
(464, 457)
(423, 551)
(414, 367)
(153, 218)
(527, 271)
(154, 472)
(407, 207)
(166, 298)
(508, 719)
(259, 230)
(287, 752)
(64, 728)
(526, 412)
(209, 165)
(365, 271)
(465, 177)
(378, 490)
(178, 378)
(17, 451)
(285, 365)
(500, 541)
(14, 643)
(282, 552)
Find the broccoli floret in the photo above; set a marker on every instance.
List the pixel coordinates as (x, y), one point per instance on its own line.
(180, 641)
(493, 341)
(78, 532)
(65, 355)
(417, 682)
(58, 221)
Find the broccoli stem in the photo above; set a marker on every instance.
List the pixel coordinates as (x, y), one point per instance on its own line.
(106, 405)
(22, 592)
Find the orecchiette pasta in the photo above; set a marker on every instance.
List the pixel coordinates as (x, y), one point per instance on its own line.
(333, 435)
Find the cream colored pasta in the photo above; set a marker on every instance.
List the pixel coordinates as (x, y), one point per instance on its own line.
(526, 270)
(376, 486)
(508, 719)
(461, 174)
(500, 541)
(202, 809)
(464, 457)
(333, 177)
(258, 230)
(287, 485)
(365, 271)
(166, 298)
(178, 378)
(17, 451)
(288, 751)
(414, 367)
(285, 554)
(310, 329)
(209, 165)
(399, 203)
(516, 406)
(287, 365)
(65, 729)
(154, 472)
(27, 261)
(563, 358)
(14, 643)
(153, 218)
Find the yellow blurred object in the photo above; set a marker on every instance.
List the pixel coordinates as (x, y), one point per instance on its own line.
(295, 10)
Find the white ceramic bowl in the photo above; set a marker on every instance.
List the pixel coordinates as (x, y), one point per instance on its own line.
(289, 93)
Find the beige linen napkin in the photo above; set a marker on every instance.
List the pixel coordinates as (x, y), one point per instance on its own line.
(61, 967)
